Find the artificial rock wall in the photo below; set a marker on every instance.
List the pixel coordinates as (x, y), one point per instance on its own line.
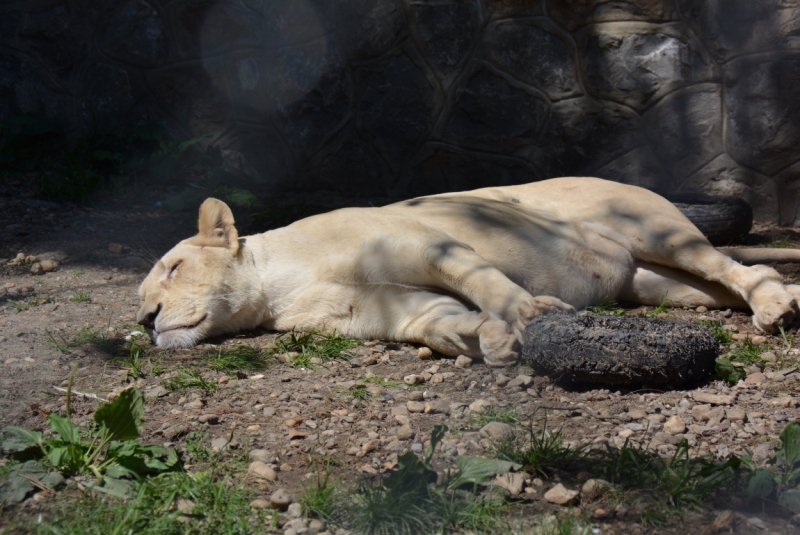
(407, 97)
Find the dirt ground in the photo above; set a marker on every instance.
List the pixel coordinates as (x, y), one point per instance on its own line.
(326, 421)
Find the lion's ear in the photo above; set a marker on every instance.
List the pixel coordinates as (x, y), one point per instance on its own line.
(216, 226)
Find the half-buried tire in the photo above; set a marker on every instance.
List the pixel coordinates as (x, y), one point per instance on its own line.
(609, 350)
(722, 219)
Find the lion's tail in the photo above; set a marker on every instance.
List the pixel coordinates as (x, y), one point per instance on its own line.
(759, 255)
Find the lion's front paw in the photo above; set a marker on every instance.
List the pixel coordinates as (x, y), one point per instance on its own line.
(499, 345)
(774, 305)
(537, 306)
(770, 318)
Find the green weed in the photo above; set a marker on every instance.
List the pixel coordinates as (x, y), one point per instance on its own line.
(723, 335)
(780, 243)
(61, 345)
(319, 500)
(662, 307)
(383, 382)
(787, 337)
(101, 339)
(748, 353)
(563, 526)
(325, 347)
(133, 361)
(762, 483)
(81, 296)
(411, 501)
(507, 415)
(539, 450)
(360, 392)
(19, 306)
(680, 481)
(607, 307)
(240, 357)
(171, 504)
(188, 378)
(109, 452)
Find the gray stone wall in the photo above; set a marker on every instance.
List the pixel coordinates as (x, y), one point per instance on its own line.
(404, 97)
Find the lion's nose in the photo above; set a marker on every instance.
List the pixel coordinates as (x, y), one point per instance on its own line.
(148, 319)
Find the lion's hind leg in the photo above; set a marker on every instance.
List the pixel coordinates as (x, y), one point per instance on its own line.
(652, 284)
(674, 242)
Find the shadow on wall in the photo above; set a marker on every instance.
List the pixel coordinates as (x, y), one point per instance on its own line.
(407, 97)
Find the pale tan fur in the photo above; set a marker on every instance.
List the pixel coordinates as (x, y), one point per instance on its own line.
(461, 272)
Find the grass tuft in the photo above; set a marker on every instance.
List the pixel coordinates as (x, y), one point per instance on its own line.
(724, 336)
(539, 450)
(81, 296)
(607, 307)
(319, 500)
(748, 353)
(241, 357)
(172, 504)
(186, 378)
(506, 415)
(304, 347)
(101, 339)
(781, 243)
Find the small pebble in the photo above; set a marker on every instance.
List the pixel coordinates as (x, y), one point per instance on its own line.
(463, 361)
(424, 353)
(280, 500)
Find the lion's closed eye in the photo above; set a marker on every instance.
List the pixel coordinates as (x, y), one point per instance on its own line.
(174, 269)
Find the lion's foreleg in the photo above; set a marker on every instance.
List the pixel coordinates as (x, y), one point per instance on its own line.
(446, 325)
(464, 272)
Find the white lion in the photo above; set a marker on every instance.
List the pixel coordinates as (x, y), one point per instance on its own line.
(462, 273)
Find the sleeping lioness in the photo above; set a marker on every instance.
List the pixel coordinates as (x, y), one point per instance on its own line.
(462, 273)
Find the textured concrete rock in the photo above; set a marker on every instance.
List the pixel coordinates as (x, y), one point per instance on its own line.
(134, 34)
(634, 63)
(536, 53)
(445, 31)
(762, 117)
(492, 113)
(683, 146)
(377, 97)
(395, 109)
(732, 28)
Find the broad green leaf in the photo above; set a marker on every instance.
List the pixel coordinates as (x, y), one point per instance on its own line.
(411, 471)
(725, 369)
(118, 471)
(437, 435)
(122, 418)
(22, 438)
(32, 469)
(60, 457)
(760, 484)
(120, 488)
(53, 480)
(242, 198)
(68, 433)
(790, 477)
(144, 459)
(479, 470)
(790, 499)
(14, 489)
(788, 453)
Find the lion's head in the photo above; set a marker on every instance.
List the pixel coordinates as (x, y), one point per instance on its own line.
(201, 287)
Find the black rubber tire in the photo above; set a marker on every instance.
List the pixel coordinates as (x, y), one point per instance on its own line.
(723, 220)
(620, 351)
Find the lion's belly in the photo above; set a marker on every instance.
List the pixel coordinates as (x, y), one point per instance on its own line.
(581, 264)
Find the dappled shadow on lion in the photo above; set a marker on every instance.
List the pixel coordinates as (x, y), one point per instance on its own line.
(462, 273)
